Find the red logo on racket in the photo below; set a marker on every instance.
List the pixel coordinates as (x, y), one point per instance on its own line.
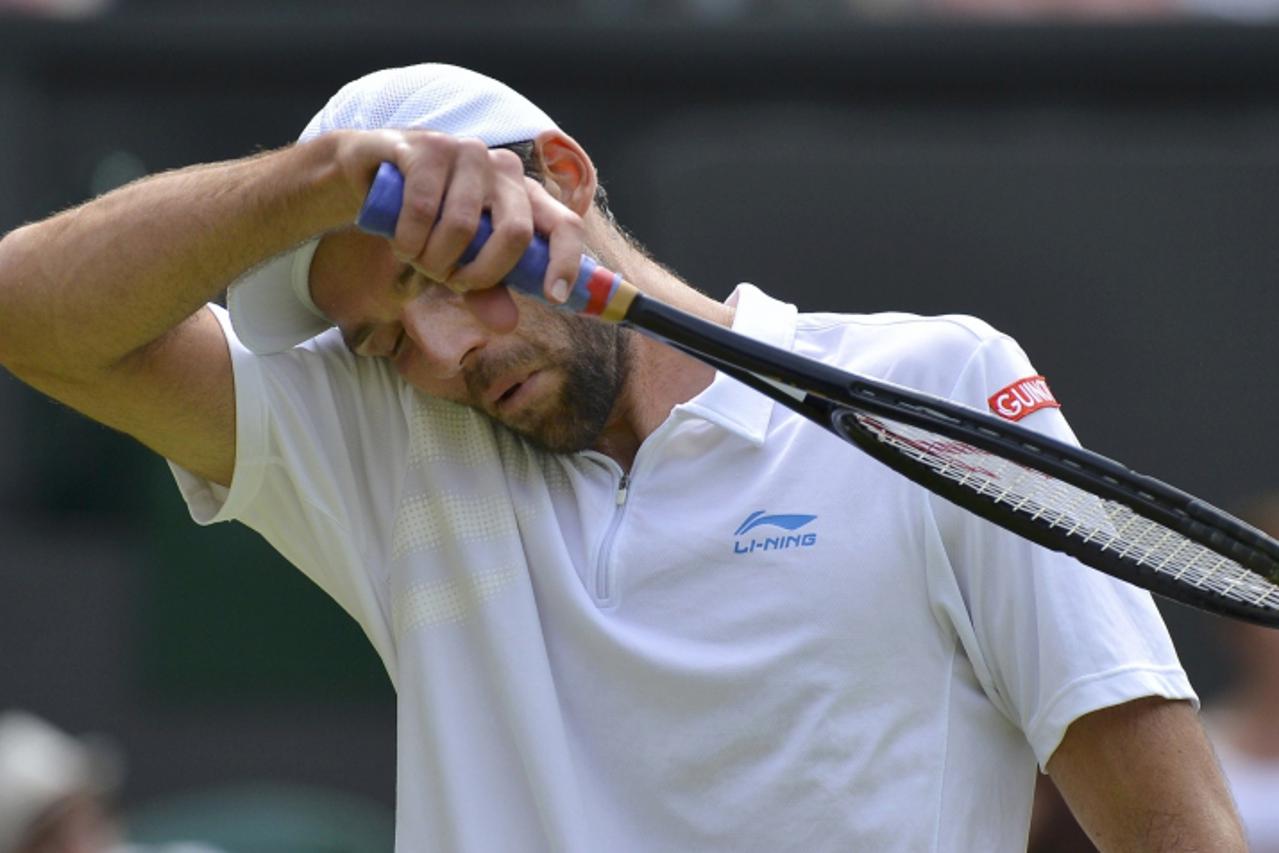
(1022, 398)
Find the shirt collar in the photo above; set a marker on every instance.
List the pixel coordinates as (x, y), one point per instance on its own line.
(727, 402)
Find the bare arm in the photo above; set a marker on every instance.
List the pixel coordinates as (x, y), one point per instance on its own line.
(98, 305)
(1142, 777)
(101, 306)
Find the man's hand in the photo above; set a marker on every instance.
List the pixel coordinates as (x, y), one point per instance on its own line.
(1142, 777)
(448, 183)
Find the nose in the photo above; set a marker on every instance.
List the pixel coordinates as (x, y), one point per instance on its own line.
(444, 332)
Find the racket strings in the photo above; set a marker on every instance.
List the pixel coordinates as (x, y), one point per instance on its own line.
(1078, 514)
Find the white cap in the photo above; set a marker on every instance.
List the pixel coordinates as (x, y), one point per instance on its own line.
(40, 767)
(271, 307)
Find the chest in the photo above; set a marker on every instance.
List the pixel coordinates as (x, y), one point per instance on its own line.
(713, 538)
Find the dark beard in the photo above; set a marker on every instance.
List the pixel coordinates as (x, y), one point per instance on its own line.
(594, 357)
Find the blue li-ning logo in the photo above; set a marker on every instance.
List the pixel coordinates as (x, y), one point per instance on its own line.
(792, 538)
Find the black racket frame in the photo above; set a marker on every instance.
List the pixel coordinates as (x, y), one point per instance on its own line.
(833, 398)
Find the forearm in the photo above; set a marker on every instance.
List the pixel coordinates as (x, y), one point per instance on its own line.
(82, 290)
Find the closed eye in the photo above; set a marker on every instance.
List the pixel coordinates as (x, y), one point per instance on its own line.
(355, 340)
(401, 341)
(409, 283)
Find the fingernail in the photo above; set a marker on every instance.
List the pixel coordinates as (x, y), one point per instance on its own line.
(559, 290)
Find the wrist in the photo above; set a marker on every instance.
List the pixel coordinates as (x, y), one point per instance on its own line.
(333, 187)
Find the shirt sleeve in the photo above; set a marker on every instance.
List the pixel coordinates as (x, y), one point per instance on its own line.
(1049, 638)
(304, 476)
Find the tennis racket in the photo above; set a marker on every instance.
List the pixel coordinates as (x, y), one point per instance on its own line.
(1062, 497)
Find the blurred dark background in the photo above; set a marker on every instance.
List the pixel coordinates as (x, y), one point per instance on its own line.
(1102, 182)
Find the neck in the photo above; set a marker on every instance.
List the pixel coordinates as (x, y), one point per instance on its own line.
(659, 377)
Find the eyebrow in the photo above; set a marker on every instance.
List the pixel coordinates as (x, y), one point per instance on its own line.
(405, 275)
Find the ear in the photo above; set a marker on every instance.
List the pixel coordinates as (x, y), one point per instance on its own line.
(570, 174)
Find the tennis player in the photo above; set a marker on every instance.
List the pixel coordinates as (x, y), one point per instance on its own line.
(627, 604)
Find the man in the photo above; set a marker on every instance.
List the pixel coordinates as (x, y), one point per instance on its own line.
(569, 576)
(57, 793)
(54, 790)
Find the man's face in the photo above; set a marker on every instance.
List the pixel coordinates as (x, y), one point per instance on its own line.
(555, 379)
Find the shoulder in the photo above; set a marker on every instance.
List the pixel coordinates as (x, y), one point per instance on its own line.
(319, 395)
(326, 355)
(898, 332)
(928, 353)
(321, 365)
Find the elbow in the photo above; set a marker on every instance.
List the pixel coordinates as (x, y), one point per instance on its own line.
(10, 286)
(22, 322)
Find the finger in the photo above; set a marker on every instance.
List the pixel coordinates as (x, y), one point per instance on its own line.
(510, 215)
(426, 161)
(494, 307)
(566, 234)
(468, 188)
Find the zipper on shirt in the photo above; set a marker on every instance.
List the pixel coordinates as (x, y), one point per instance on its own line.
(602, 577)
(625, 479)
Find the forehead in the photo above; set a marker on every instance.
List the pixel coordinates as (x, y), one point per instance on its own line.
(351, 273)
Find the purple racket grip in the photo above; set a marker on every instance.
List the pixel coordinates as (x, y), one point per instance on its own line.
(381, 211)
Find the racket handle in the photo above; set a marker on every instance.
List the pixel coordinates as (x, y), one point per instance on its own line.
(595, 291)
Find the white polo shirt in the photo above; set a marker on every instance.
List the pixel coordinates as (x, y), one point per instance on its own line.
(758, 640)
